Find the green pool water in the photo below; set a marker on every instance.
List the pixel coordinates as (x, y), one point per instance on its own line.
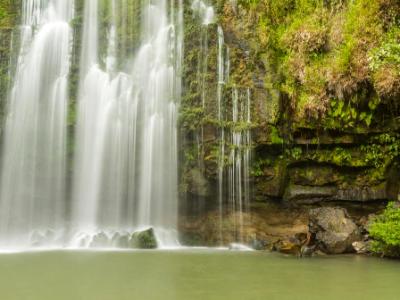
(194, 274)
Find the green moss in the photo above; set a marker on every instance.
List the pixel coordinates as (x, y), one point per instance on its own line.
(295, 153)
(275, 137)
(384, 62)
(144, 240)
(191, 118)
(8, 18)
(8, 13)
(259, 165)
(321, 50)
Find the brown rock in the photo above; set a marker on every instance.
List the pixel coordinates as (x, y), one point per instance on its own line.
(333, 231)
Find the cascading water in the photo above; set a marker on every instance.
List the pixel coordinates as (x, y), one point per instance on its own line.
(239, 159)
(204, 11)
(125, 161)
(222, 134)
(32, 206)
(234, 166)
(126, 156)
(221, 147)
(124, 174)
(158, 87)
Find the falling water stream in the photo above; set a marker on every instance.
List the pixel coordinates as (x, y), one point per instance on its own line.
(124, 166)
(34, 153)
(125, 158)
(235, 144)
(126, 161)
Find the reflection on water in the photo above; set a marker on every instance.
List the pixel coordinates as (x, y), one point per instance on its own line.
(194, 274)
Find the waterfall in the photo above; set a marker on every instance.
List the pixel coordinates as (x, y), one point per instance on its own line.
(239, 159)
(204, 11)
(126, 152)
(123, 174)
(221, 150)
(234, 166)
(159, 87)
(32, 199)
(125, 157)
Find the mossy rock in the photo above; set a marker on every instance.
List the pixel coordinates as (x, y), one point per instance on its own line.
(314, 176)
(145, 239)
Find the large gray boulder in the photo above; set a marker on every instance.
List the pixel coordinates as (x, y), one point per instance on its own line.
(333, 230)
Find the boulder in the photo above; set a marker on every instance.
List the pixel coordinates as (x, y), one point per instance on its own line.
(333, 230)
(291, 245)
(145, 239)
(99, 240)
(362, 247)
(120, 240)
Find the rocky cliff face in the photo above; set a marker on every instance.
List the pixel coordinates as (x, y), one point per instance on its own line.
(324, 79)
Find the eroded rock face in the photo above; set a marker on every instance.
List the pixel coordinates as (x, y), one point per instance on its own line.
(308, 194)
(333, 230)
(263, 227)
(197, 183)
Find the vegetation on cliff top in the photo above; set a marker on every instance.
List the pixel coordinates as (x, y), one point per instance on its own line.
(339, 61)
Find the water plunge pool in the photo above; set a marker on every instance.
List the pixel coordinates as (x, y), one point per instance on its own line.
(193, 274)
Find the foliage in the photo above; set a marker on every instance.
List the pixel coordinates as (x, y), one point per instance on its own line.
(384, 62)
(385, 231)
(259, 165)
(348, 114)
(388, 52)
(382, 150)
(191, 117)
(307, 35)
(329, 53)
(7, 13)
(294, 153)
(275, 137)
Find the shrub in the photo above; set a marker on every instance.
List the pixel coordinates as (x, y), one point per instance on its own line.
(307, 34)
(384, 61)
(385, 231)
